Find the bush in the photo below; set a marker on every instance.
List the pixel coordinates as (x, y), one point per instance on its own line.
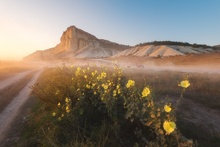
(92, 106)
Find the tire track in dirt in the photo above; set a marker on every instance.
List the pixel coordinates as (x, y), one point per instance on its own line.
(9, 113)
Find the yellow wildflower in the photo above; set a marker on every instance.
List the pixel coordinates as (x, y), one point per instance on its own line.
(59, 118)
(103, 74)
(119, 91)
(58, 104)
(85, 76)
(93, 85)
(88, 86)
(77, 73)
(95, 92)
(169, 126)
(99, 78)
(145, 92)
(130, 83)
(62, 115)
(184, 84)
(54, 114)
(114, 92)
(105, 86)
(67, 109)
(167, 108)
(67, 100)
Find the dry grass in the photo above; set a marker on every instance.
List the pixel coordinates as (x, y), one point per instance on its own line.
(204, 91)
(204, 88)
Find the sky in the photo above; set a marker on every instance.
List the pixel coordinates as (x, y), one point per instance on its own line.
(30, 25)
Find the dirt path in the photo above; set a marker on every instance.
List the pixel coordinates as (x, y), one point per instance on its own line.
(207, 118)
(10, 112)
(199, 122)
(7, 82)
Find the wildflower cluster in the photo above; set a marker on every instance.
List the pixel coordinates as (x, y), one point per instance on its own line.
(130, 83)
(145, 92)
(63, 108)
(85, 97)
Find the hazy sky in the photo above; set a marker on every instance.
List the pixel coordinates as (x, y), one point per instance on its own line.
(30, 25)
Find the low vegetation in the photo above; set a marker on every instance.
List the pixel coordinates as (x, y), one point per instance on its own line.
(204, 88)
(100, 106)
(176, 43)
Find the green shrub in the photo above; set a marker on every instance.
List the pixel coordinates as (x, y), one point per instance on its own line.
(92, 106)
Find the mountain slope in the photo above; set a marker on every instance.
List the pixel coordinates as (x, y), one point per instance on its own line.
(162, 51)
(77, 43)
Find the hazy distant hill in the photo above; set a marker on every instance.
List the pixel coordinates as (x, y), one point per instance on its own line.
(163, 50)
(77, 43)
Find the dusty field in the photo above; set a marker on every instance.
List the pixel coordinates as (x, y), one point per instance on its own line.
(201, 63)
(11, 68)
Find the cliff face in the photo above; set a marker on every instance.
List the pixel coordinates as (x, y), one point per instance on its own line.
(75, 42)
(74, 39)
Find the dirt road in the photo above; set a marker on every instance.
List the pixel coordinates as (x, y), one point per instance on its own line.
(10, 112)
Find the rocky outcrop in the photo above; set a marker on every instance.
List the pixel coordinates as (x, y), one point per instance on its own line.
(77, 43)
(74, 39)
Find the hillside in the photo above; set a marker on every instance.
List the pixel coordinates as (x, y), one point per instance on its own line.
(77, 43)
(163, 51)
